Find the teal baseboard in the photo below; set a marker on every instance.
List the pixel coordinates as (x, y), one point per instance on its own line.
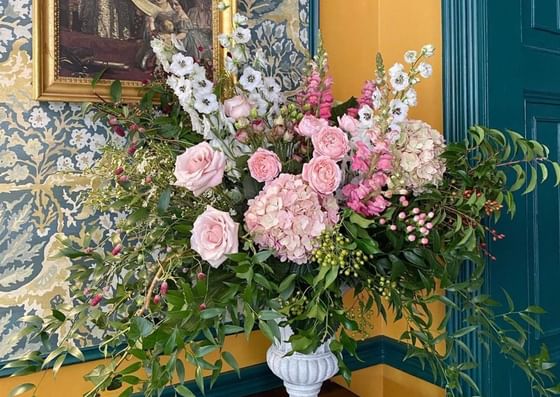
(259, 379)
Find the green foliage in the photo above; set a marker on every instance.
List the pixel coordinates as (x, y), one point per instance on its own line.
(118, 282)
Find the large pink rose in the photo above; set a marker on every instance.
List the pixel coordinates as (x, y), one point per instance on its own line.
(237, 107)
(200, 168)
(264, 165)
(214, 236)
(310, 125)
(348, 124)
(331, 142)
(322, 174)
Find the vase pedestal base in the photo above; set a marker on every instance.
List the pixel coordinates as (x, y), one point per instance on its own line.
(303, 390)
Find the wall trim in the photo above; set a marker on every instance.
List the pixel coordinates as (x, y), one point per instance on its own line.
(380, 350)
(465, 80)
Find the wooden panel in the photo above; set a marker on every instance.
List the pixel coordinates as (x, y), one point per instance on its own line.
(543, 124)
(541, 24)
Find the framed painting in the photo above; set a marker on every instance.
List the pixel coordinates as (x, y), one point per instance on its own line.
(75, 40)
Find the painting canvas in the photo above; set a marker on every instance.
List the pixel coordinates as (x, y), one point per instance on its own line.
(113, 37)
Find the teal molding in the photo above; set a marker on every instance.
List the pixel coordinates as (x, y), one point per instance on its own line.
(314, 26)
(258, 379)
(465, 80)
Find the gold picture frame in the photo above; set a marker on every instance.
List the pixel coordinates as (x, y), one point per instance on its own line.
(50, 85)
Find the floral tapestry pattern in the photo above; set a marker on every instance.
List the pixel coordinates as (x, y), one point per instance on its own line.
(42, 143)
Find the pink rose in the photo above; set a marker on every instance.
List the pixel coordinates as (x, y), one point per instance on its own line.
(264, 165)
(310, 125)
(331, 142)
(237, 107)
(348, 124)
(322, 174)
(200, 168)
(214, 236)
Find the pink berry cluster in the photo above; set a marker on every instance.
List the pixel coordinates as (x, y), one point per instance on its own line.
(367, 196)
(317, 93)
(416, 224)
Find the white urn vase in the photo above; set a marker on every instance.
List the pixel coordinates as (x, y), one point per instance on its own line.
(303, 374)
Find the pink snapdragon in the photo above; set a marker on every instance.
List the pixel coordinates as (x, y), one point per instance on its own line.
(366, 99)
(317, 93)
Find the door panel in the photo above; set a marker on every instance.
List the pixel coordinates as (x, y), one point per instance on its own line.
(524, 95)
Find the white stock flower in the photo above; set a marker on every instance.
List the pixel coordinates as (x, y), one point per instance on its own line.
(239, 54)
(230, 66)
(207, 104)
(224, 40)
(184, 90)
(396, 69)
(202, 87)
(242, 35)
(181, 65)
(410, 56)
(399, 110)
(377, 97)
(411, 98)
(240, 19)
(400, 81)
(260, 104)
(428, 50)
(271, 89)
(250, 79)
(425, 70)
(366, 116)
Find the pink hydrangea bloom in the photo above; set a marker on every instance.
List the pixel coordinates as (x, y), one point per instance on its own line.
(288, 216)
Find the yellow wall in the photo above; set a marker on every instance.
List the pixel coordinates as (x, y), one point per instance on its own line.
(353, 31)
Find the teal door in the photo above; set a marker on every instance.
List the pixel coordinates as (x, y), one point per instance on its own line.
(523, 94)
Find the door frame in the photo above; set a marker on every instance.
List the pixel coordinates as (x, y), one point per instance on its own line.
(465, 99)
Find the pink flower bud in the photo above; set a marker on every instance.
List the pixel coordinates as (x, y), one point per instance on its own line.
(157, 299)
(424, 231)
(422, 216)
(416, 211)
(409, 229)
(113, 121)
(411, 238)
(164, 288)
(119, 131)
(242, 136)
(117, 249)
(132, 149)
(201, 276)
(119, 170)
(148, 179)
(202, 307)
(133, 127)
(425, 241)
(431, 215)
(382, 221)
(402, 199)
(430, 225)
(96, 300)
(88, 250)
(393, 227)
(416, 218)
(405, 203)
(421, 222)
(402, 215)
(123, 179)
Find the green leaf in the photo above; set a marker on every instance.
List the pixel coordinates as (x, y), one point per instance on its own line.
(208, 314)
(116, 91)
(164, 200)
(557, 172)
(531, 321)
(519, 179)
(535, 310)
(266, 330)
(269, 315)
(532, 182)
(544, 172)
(98, 76)
(262, 256)
(464, 331)
(361, 221)
(19, 390)
(131, 368)
(127, 392)
(141, 327)
(77, 353)
(331, 276)
(287, 283)
(184, 391)
(231, 361)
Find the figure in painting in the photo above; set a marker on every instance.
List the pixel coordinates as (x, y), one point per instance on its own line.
(115, 35)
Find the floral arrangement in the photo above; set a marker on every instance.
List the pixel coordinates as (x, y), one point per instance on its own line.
(247, 209)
